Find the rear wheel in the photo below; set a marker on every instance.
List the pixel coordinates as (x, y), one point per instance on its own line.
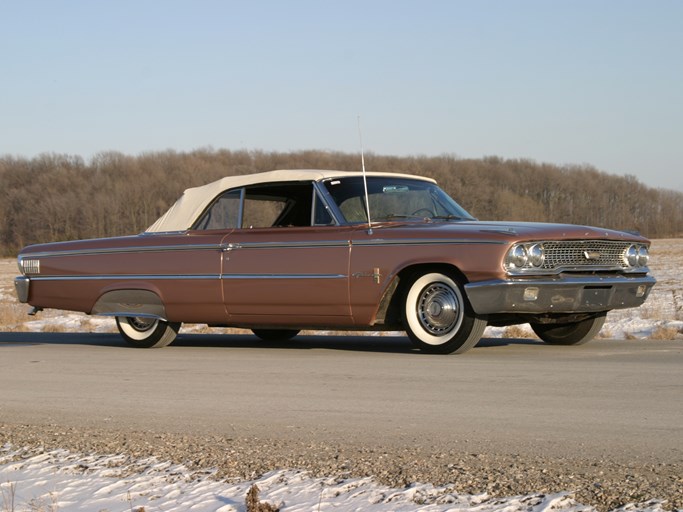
(575, 333)
(275, 334)
(142, 332)
(438, 318)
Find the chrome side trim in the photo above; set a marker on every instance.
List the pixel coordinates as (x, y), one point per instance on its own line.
(257, 245)
(124, 250)
(283, 276)
(152, 277)
(289, 245)
(362, 243)
(428, 241)
(126, 277)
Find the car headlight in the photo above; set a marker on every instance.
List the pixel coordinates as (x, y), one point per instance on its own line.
(536, 255)
(525, 256)
(637, 256)
(516, 257)
(631, 256)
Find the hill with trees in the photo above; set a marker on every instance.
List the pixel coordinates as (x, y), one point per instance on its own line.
(56, 197)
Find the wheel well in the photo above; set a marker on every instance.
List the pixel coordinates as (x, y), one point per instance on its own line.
(392, 301)
(413, 271)
(130, 303)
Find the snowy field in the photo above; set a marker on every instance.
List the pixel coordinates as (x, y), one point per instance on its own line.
(60, 481)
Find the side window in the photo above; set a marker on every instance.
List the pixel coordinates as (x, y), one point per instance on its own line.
(223, 213)
(278, 205)
(321, 215)
(260, 211)
(292, 204)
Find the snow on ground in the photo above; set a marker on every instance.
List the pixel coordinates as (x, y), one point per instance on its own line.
(66, 482)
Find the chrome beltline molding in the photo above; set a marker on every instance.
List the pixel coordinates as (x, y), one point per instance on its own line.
(284, 276)
(105, 277)
(123, 250)
(256, 245)
(287, 245)
(152, 277)
(429, 241)
(355, 243)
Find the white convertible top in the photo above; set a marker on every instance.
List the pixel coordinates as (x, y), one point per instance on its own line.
(194, 201)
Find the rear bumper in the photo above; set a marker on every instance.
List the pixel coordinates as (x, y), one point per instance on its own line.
(559, 295)
(22, 285)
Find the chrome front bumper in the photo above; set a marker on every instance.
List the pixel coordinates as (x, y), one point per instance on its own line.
(559, 295)
(22, 285)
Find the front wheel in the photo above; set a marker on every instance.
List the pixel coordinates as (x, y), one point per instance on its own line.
(142, 332)
(574, 333)
(437, 317)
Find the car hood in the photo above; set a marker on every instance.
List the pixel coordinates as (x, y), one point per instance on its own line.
(519, 231)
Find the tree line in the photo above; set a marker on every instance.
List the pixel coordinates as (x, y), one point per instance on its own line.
(55, 197)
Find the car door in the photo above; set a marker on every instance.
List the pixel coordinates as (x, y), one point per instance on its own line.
(286, 277)
(283, 267)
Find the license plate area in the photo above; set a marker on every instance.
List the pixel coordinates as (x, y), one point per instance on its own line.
(596, 295)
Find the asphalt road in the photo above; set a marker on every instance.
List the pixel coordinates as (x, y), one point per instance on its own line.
(609, 398)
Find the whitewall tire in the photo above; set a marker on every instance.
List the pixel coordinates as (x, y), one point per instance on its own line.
(438, 318)
(142, 332)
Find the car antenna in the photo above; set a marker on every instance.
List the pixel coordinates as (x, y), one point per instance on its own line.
(365, 180)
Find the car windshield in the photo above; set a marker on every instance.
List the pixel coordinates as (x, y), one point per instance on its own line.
(393, 199)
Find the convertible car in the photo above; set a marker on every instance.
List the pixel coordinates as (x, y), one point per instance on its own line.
(286, 250)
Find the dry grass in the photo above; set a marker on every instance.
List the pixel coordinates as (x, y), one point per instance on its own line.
(199, 329)
(253, 503)
(86, 325)
(677, 302)
(666, 264)
(12, 314)
(56, 327)
(8, 492)
(665, 333)
(517, 332)
(605, 334)
(665, 302)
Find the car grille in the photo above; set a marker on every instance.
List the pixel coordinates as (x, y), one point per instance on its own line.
(584, 255)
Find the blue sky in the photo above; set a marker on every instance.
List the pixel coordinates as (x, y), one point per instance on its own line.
(568, 82)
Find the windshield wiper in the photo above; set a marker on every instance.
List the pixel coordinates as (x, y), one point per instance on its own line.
(449, 217)
(401, 216)
(393, 216)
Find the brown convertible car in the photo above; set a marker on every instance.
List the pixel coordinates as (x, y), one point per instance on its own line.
(286, 250)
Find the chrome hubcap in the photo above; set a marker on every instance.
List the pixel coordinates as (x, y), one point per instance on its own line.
(438, 309)
(142, 324)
